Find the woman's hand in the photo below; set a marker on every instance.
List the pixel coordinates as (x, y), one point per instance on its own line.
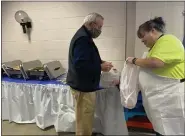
(146, 63)
(129, 60)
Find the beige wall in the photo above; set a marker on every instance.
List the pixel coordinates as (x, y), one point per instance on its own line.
(170, 11)
(130, 29)
(54, 24)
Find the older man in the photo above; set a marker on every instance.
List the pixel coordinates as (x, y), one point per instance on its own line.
(85, 66)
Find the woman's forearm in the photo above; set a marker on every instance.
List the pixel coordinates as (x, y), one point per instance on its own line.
(149, 63)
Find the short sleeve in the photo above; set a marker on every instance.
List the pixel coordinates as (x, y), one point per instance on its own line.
(167, 52)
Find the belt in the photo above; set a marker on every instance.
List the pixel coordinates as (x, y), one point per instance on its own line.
(182, 80)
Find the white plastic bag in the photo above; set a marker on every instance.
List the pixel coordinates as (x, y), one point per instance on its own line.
(108, 79)
(129, 85)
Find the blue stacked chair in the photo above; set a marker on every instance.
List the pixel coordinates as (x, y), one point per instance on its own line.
(138, 110)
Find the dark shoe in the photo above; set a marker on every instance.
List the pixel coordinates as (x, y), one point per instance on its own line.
(97, 134)
(158, 134)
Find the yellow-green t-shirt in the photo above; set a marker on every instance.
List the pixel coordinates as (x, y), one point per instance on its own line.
(170, 50)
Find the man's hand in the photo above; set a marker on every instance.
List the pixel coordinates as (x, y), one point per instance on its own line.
(106, 66)
(116, 82)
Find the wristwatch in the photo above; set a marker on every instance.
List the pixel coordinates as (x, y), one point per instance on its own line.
(134, 60)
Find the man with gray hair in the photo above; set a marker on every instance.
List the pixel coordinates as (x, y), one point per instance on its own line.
(84, 70)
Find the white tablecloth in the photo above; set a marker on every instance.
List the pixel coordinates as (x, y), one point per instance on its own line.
(51, 104)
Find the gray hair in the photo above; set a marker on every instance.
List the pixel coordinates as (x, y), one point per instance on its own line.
(92, 18)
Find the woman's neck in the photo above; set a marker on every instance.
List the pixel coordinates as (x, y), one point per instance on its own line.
(159, 35)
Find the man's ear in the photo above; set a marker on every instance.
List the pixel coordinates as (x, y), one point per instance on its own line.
(91, 24)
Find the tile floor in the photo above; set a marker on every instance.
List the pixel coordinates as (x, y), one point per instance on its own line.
(32, 129)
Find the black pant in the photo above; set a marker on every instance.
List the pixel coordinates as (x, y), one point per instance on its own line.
(158, 134)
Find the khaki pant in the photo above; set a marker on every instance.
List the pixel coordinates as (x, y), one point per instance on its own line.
(84, 110)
